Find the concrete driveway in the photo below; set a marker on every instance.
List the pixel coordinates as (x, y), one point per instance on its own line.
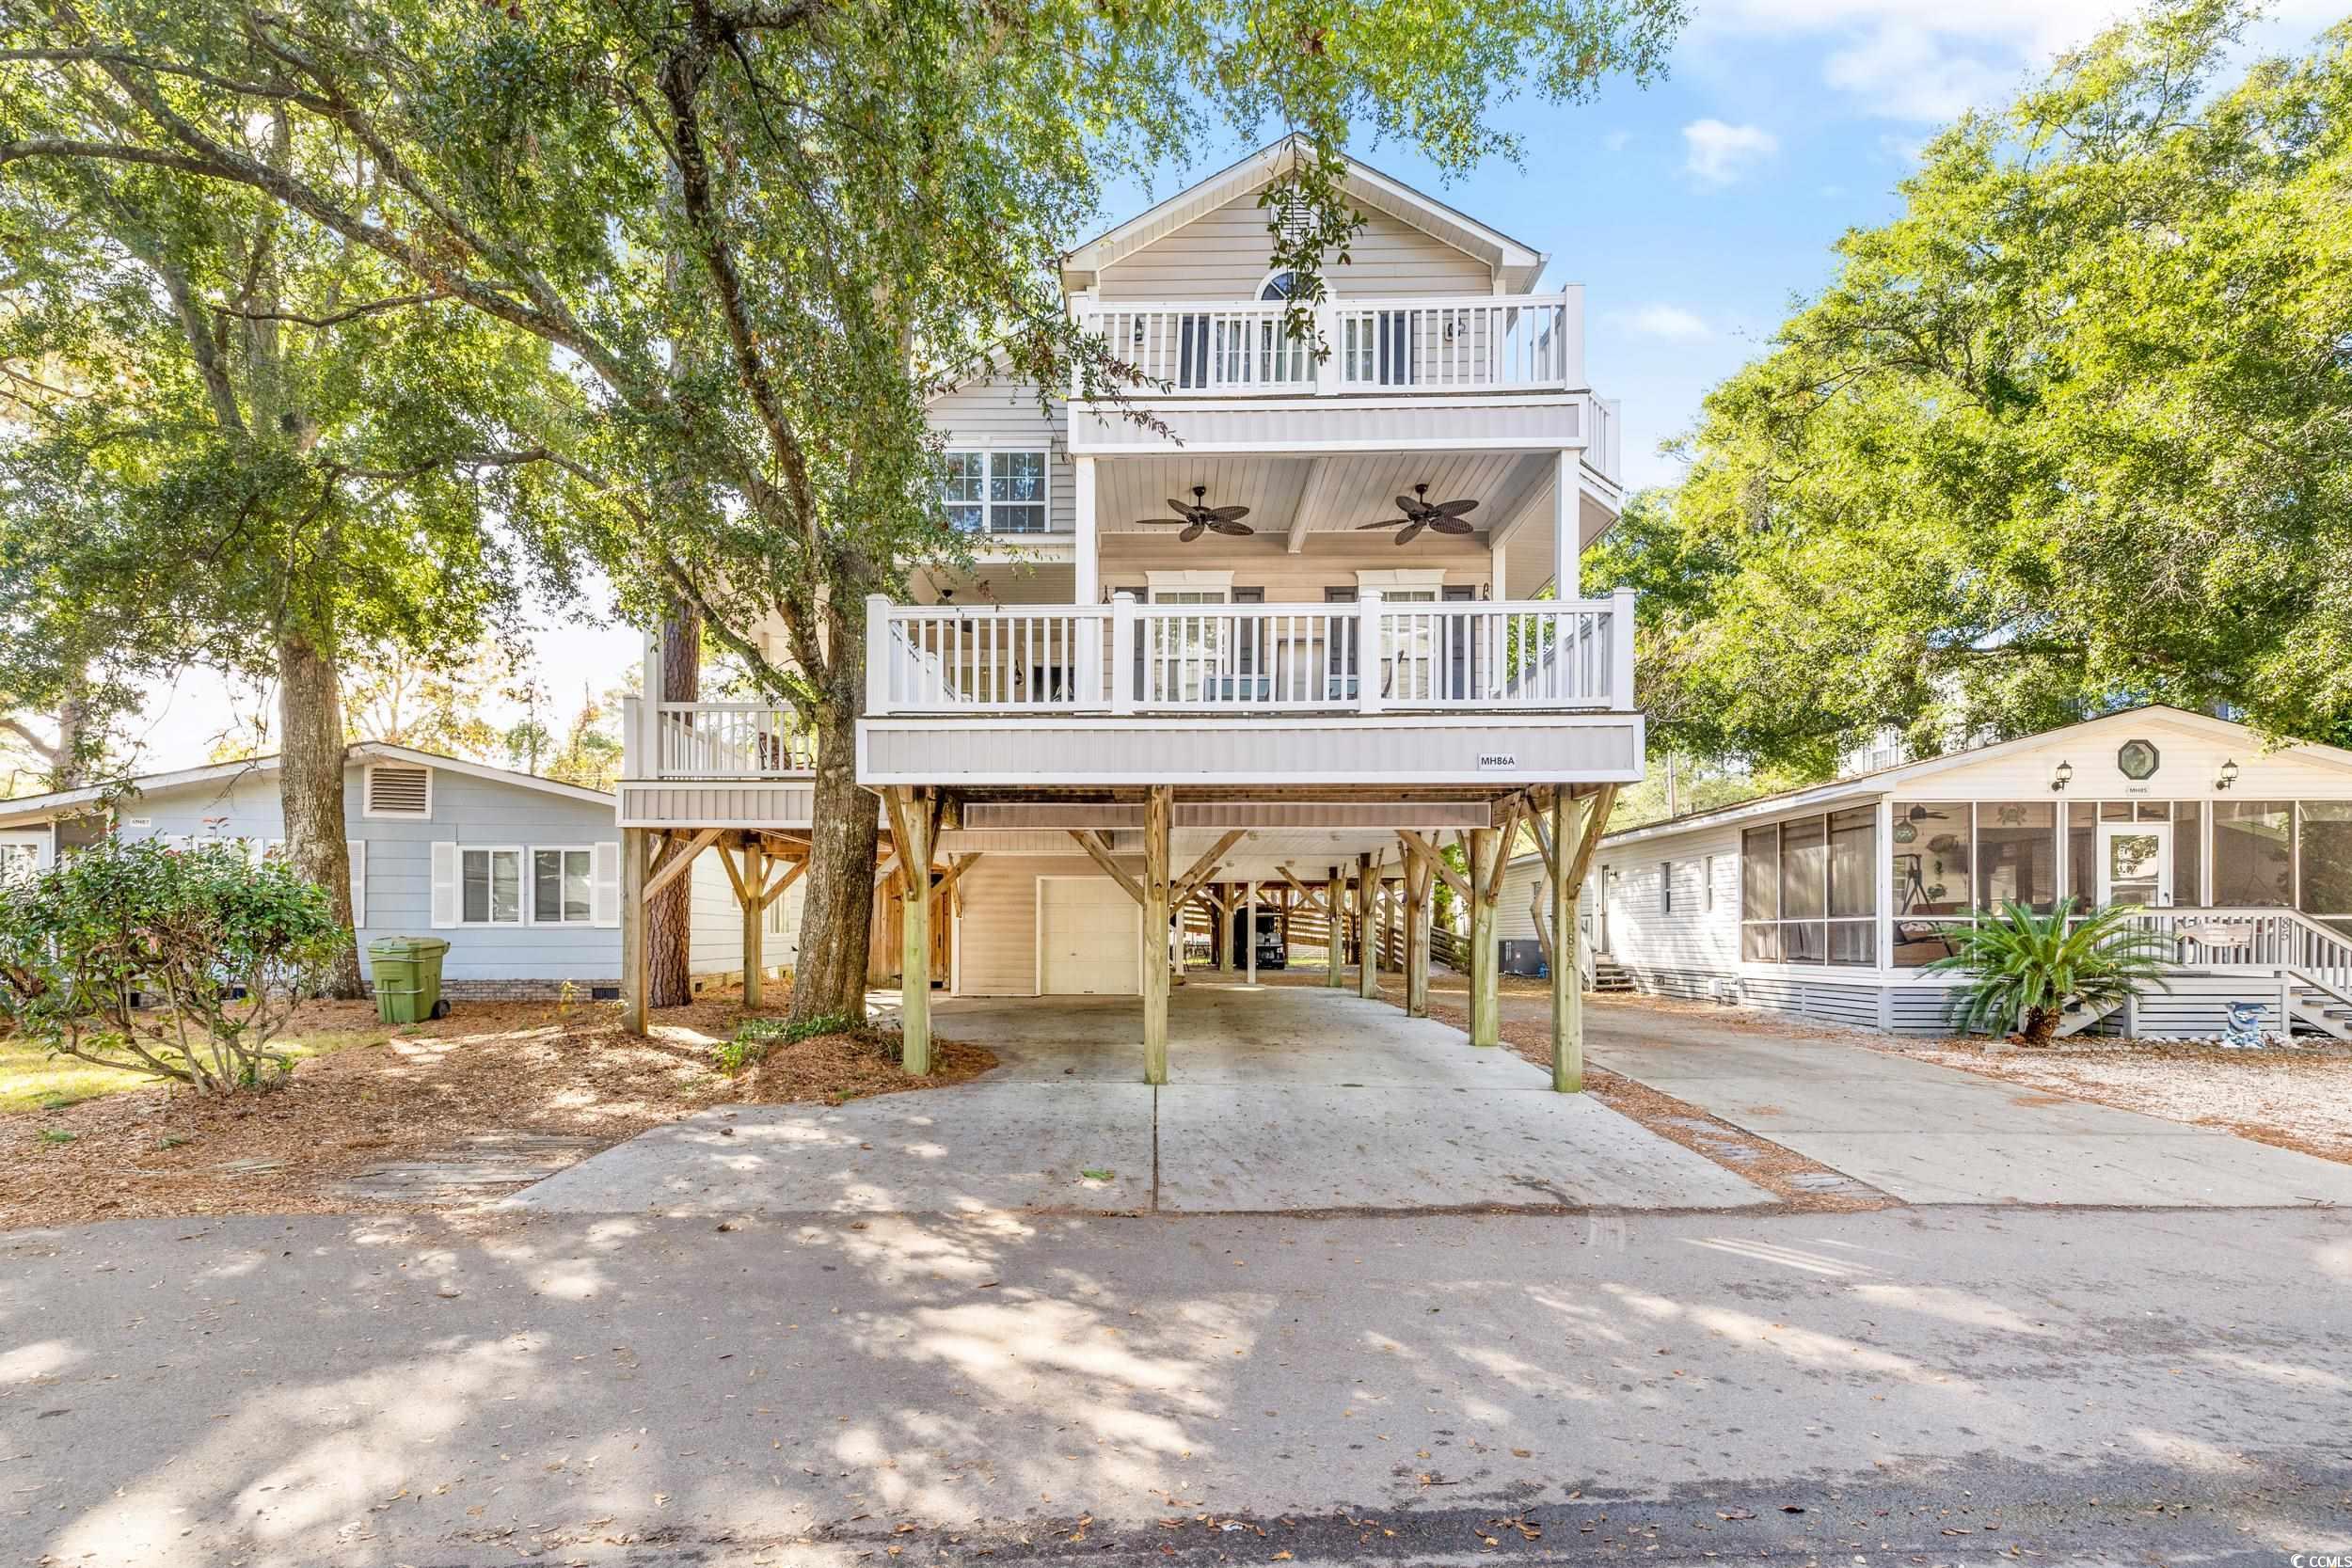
(1280, 1100)
(1926, 1133)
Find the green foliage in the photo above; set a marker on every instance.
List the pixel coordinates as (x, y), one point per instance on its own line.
(180, 963)
(2026, 971)
(755, 1038)
(2072, 431)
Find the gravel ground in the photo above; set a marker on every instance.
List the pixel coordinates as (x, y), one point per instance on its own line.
(2299, 1100)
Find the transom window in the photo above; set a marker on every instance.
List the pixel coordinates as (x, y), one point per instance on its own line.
(994, 492)
(561, 887)
(491, 887)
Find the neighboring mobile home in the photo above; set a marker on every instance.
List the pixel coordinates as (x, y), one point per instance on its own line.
(1286, 632)
(1831, 901)
(519, 873)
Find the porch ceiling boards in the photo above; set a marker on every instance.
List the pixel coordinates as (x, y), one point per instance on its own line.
(1347, 490)
(1215, 815)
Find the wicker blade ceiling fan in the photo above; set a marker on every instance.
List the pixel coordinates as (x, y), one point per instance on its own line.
(1198, 519)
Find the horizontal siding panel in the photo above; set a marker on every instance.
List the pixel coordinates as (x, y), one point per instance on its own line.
(1432, 421)
(1224, 254)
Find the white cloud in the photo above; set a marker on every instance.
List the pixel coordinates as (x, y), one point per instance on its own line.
(1616, 141)
(1670, 322)
(1926, 61)
(1720, 153)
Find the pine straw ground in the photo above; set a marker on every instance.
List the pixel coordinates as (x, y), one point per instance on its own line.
(415, 1093)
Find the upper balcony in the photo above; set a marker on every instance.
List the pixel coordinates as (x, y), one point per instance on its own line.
(1506, 369)
(1376, 347)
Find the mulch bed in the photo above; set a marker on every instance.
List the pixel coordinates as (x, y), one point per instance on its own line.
(491, 1068)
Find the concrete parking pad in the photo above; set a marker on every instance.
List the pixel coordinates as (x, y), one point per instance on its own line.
(1932, 1134)
(1278, 1148)
(981, 1147)
(1280, 1100)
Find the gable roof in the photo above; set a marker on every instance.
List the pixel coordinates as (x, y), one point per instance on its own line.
(1520, 265)
(1880, 780)
(29, 809)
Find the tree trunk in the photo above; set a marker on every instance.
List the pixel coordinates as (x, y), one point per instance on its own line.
(829, 977)
(310, 785)
(669, 918)
(2040, 1025)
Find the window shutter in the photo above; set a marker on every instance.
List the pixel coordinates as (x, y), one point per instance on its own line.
(358, 882)
(394, 791)
(604, 897)
(444, 884)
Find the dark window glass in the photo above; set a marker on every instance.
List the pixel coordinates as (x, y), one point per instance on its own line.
(2252, 861)
(2017, 854)
(1853, 888)
(2325, 851)
(2188, 852)
(1759, 874)
(2114, 811)
(1760, 945)
(1803, 866)
(2082, 852)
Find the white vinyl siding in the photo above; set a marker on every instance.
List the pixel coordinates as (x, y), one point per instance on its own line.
(1224, 254)
(988, 418)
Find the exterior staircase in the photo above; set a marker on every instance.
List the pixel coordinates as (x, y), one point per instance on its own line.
(1609, 979)
(2312, 1004)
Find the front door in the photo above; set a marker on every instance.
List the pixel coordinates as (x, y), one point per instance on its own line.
(2135, 863)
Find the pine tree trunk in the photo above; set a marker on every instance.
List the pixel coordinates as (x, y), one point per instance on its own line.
(836, 928)
(669, 918)
(310, 786)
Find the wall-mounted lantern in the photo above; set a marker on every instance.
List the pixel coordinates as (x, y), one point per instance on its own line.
(2060, 776)
(2229, 775)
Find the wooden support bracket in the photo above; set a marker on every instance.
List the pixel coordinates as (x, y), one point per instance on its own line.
(1099, 852)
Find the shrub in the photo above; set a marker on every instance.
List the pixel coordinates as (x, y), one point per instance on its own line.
(758, 1036)
(180, 963)
(2026, 970)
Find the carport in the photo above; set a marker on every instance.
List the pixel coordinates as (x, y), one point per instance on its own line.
(1080, 896)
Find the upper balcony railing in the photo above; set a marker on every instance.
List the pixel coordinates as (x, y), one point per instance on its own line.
(713, 740)
(1468, 343)
(1129, 658)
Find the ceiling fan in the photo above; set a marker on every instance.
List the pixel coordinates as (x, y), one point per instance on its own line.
(1446, 516)
(1198, 519)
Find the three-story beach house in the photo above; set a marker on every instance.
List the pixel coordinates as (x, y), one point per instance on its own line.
(1314, 622)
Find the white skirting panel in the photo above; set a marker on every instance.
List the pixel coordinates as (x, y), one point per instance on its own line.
(1367, 750)
(785, 805)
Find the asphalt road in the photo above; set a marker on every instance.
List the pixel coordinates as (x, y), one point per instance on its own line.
(1906, 1386)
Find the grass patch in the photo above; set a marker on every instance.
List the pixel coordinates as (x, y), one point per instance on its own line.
(33, 1080)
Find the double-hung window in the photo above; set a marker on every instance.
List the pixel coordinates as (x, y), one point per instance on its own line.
(491, 887)
(994, 492)
(561, 887)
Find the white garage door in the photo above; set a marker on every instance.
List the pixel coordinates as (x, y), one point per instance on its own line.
(1088, 931)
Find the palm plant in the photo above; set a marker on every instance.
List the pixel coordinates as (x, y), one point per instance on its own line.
(2027, 970)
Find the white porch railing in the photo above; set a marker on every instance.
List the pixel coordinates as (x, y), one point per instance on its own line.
(1472, 343)
(713, 740)
(2254, 938)
(1371, 656)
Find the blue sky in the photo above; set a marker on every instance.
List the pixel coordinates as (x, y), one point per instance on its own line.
(1694, 213)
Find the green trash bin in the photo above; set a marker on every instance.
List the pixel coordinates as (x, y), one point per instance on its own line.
(407, 978)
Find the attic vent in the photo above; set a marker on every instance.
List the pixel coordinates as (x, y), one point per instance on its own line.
(1290, 215)
(399, 791)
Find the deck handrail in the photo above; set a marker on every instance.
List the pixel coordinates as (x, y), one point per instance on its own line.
(1370, 657)
(1400, 344)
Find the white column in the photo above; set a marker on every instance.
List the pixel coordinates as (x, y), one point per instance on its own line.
(1089, 575)
(1566, 492)
(1501, 570)
(1249, 896)
(649, 751)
